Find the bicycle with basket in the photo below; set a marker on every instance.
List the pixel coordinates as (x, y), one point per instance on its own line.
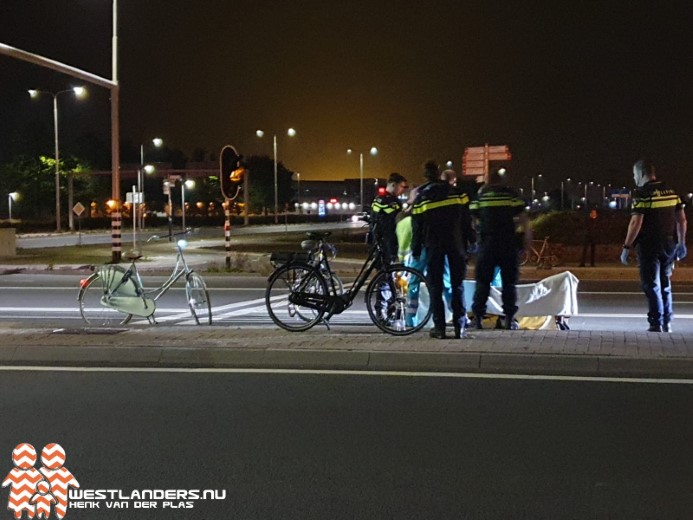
(112, 295)
(304, 290)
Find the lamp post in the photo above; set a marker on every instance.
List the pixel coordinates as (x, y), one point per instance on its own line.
(10, 197)
(78, 92)
(298, 179)
(190, 184)
(563, 193)
(291, 133)
(140, 178)
(539, 176)
(373, 151)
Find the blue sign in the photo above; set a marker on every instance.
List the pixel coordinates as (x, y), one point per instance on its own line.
(321, 208)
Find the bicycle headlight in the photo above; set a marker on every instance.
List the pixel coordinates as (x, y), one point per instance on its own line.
(182, 244)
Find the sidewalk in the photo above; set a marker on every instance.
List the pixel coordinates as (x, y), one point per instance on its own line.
(576, 353)
(572, 353)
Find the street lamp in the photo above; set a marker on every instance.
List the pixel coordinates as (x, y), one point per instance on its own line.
(10, 197)
(298, 179)
(157, 142)
(79, 92)
(373, 151)
(190, 184)
(539, 176)
(562, 193)
(291, 133)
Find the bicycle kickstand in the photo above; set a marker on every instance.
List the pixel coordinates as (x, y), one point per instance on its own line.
(326, 323)
(152, 320)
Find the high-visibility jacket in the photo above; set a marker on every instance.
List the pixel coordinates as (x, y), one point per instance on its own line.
(384, 212)
(658, 206)
(440, 219)
(495, 208)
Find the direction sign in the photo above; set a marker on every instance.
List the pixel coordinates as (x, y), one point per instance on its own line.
(473, 150)
(474, 163)
(473, 171)
(78, 209)
(497, 149)
(499, 156)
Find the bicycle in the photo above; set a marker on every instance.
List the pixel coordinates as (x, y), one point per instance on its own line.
(112, 295)
(300, 295)
(314, 255)
(544, 257)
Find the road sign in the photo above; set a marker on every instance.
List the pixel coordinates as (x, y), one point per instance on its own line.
(473, 171)
(498, 149)
(473, 164)
(78, 209)
(499, 156)
(137, 195)
(473, 150)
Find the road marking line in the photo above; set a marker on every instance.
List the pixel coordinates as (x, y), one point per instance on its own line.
(379, 373)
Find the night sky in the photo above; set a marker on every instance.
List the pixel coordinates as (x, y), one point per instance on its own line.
(578, 89)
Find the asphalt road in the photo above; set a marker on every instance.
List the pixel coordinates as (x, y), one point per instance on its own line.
(51, 299)
(363, 446)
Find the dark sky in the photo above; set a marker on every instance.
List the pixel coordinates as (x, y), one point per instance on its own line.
(577, 89)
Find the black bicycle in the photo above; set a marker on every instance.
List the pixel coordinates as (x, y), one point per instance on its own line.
(301, 294)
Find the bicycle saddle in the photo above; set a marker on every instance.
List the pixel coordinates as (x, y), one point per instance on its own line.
(318, 235)
(133, 254)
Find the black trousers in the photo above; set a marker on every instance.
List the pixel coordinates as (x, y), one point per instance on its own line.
(458, 270)
(503, 254)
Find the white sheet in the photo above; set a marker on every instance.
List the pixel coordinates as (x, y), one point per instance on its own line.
(552, 296)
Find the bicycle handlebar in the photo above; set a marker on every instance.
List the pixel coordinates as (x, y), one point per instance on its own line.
(159, 237)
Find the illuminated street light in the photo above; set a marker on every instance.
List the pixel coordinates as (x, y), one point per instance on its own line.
(10, 197)
(190, 184)
(539, 176)
(157, 142)
(373, 152)
(79, 92)
(260, 133)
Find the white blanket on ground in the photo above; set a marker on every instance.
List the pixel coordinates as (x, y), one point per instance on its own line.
(552, 296)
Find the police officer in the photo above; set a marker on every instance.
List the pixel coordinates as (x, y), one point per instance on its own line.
(384, 212)
(441, 224)
(495, 209)
(657, 228)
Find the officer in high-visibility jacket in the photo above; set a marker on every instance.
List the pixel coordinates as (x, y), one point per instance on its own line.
(384, 211)
(658, 229)
(441, 224)
(496, 208)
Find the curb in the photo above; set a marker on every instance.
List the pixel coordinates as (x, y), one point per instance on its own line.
(160, 357)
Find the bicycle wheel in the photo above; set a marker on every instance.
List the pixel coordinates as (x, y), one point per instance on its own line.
(91, 297)
(198, 298)
(398, 301)
(296, 297)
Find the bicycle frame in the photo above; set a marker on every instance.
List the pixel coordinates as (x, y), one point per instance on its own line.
(344, 301)
(180, 269)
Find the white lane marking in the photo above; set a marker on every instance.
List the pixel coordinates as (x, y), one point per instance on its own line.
(368, 373)
(639, 316)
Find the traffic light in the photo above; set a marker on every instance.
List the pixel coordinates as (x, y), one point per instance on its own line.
(232, 172)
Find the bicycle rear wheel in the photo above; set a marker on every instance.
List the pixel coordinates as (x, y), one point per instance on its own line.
(296, 297)
(198, 298)
(398, 301)
(92, 294)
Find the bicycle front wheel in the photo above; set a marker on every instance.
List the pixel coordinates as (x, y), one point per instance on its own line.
(296, 297)
(398, 301)
(93, 292)
(198, 298)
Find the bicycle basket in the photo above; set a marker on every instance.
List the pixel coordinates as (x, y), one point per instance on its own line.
(279, 259)
(112, 278)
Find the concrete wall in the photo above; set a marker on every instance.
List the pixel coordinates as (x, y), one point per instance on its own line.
(8, 242)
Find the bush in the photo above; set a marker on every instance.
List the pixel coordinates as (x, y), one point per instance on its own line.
(569, 227)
